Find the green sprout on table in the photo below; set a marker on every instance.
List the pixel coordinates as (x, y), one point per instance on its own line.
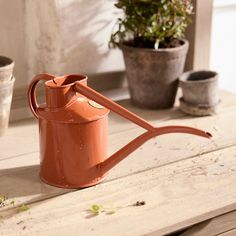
(97, 209)
(23, 207)
(2, 200)
(12, 202)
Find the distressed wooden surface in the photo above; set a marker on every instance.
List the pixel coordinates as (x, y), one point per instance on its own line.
(183, 179)
(219, 225)
(176, 195)
(229, 233)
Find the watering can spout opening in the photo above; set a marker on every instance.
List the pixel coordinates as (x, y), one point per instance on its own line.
(208, 135)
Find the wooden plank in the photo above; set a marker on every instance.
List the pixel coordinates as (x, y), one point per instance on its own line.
(22, 137)
(162, 151)
(167, 148)
(229, 233)
(20, 181)
(155, 153)
(216, 226)
(177, 195)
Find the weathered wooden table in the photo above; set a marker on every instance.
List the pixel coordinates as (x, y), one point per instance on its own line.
(183, 179)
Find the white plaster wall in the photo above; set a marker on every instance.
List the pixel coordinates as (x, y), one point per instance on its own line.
(58, 36)
(86, 26)
(223, 49)
(12, 39)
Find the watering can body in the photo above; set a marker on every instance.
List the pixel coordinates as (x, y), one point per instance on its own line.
(70, 153)
(73, 131)
(72, 134)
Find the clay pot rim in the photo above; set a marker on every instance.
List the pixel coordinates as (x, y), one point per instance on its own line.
(10, 63)
(152, 50)
(184, 77)
(51, 83)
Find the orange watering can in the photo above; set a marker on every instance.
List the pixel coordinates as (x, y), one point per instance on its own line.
(73, 131)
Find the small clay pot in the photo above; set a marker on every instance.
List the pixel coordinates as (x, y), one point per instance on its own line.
(200, 92)
(6, 69)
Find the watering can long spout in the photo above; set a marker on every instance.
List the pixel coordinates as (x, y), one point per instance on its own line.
(138, 141)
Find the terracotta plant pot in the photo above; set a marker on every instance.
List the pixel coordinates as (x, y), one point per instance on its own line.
(6, 69)
(200, 92)
(153, 74)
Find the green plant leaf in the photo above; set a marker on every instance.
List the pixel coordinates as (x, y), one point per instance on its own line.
(96, 209)
(146, 21)
(2, 198)
(23, 207)
(12, 203)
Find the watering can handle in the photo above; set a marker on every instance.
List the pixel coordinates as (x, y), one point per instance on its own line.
(32, 91)
(102, 100)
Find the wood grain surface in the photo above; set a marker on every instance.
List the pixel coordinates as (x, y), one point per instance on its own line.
(183, 179)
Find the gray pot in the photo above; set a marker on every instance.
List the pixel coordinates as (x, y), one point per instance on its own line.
(6, 69)
(153, 74)
(200, 92)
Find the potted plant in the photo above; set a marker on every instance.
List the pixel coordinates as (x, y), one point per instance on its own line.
(150, 35)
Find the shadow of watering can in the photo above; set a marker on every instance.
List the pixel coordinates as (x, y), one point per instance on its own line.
(73, 131)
